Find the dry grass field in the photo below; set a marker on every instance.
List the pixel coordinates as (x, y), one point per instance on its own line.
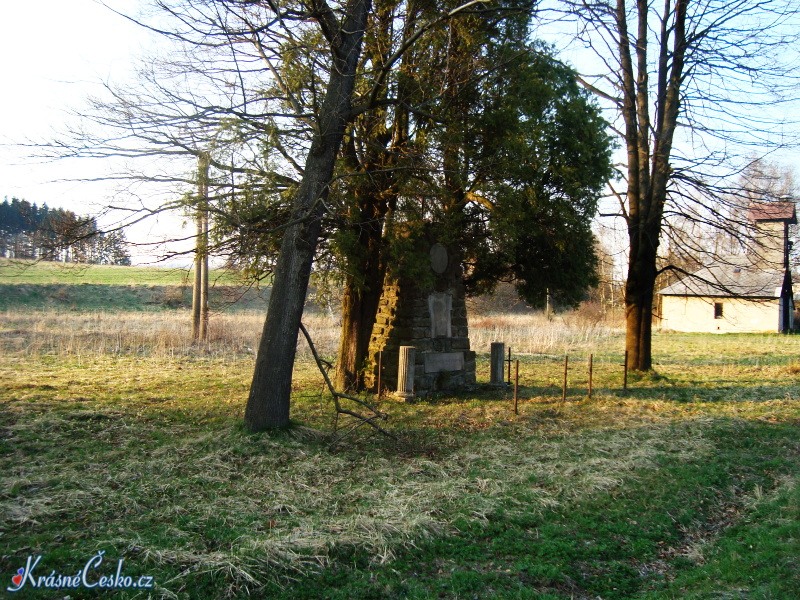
(117, 434)
(67, 332)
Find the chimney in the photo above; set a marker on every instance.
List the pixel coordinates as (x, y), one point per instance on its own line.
(772, 220)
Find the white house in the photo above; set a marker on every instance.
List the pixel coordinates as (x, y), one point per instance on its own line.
(744, 294)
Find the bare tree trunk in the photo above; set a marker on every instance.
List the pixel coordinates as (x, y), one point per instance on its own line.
(269, 400)
(649, 145)
(639, 310)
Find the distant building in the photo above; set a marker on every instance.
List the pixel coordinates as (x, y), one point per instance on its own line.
(742, 294)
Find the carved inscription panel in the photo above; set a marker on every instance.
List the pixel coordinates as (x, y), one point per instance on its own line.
(440, 305)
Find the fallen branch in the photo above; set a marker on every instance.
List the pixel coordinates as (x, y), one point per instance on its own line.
(337, 396)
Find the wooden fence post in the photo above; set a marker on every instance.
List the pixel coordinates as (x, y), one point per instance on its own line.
(625, 375)
(380, 365)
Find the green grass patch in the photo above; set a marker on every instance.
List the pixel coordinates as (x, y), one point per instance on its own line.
(45, 286)
(757, 556)
(685, 486)
(18, 272)
(94, 297)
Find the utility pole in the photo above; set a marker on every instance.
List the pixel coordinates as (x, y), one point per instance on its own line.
(200, 289)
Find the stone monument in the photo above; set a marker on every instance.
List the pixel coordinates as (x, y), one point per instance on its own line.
(430, 314)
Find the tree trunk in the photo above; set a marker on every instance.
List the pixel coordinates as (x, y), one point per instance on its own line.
(359, 307)
(639, 312)
(198, 280)
(358, 317)
(366, 268)
(204, 278)
(269, 401)
(648, 167)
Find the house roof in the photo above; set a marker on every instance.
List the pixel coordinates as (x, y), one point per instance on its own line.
(733, 276)
(773, 211)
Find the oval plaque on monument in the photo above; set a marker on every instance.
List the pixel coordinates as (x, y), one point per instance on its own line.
(438, 258)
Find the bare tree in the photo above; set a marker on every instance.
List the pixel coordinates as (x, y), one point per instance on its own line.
(695, 86)
(270, 391)
(269, 401)
(272, 124)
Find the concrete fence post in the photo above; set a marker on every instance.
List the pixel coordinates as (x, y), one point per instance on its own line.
(405, 372)
(496, 366)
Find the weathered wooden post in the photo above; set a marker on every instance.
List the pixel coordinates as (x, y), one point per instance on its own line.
(380, 368)
(516, 387)
(498, 350)
(200, 289)
(405, 372)
(591, 357)
(625, 375)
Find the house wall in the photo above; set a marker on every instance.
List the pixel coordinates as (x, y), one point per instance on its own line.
(696, 314)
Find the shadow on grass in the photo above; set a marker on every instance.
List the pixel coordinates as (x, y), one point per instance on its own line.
(713, 391)
(631, 541)
(94, 297)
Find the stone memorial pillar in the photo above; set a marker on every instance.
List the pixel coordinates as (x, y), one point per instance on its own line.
(405, 372)
(429, 314)
(497, 363)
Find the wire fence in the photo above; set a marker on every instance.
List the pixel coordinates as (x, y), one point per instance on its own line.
(580, 374)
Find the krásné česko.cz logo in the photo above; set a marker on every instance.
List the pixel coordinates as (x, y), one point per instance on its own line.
(86, 577)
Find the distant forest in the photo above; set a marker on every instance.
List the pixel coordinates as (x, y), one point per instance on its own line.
(54, 234)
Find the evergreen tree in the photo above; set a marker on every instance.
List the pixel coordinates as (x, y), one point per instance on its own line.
(28, 231)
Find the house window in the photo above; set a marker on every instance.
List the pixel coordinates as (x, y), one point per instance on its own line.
(717, 310)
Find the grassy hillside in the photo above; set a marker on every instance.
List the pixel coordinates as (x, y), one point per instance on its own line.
(102, 297)
(18, 272)
(43, 285)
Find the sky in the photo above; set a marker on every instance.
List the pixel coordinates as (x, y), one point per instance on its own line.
(54, 54)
